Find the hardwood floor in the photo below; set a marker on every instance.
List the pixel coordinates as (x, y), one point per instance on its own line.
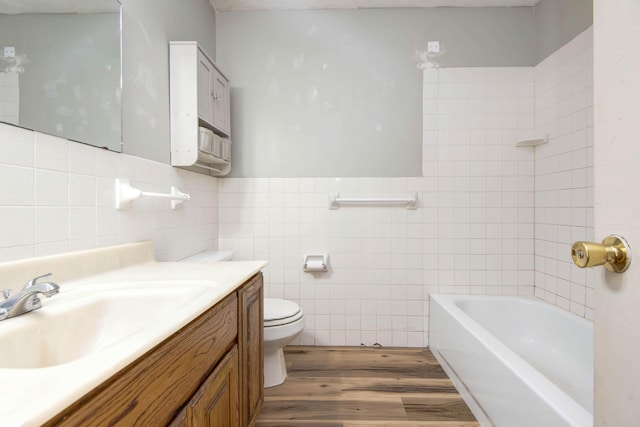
(364, 387)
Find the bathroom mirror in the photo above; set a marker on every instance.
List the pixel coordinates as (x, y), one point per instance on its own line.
(60, 68)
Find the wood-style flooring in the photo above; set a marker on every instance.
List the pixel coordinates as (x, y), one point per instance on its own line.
(364, 387)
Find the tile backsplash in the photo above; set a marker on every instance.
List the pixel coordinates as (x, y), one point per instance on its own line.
(59, 196)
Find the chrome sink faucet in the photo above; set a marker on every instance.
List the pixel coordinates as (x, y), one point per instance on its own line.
(28, 299)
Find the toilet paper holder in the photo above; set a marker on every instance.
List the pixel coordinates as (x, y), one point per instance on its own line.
(315, 262)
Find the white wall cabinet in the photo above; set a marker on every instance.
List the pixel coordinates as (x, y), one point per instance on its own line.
(199, 97)
(221, 104)
(213, 95)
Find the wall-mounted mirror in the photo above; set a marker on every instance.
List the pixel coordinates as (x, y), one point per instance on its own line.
(60, 68)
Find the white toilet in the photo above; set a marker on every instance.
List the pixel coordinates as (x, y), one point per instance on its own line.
(283, 322)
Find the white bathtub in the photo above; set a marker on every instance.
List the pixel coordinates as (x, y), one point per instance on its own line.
(518, 362)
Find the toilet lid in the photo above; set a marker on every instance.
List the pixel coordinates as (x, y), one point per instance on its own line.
(280, 311)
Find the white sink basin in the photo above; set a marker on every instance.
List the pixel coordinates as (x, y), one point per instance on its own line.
(79, 323)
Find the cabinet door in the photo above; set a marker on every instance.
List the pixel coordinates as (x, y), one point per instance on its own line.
(213, 95)
(221, 104)
(250, 337)
(216, 403)
(206, 90)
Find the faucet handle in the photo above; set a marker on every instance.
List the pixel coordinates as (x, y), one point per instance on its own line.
(33, 281)
(6, 293)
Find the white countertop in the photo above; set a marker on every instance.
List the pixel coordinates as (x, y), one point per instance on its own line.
(30, 397)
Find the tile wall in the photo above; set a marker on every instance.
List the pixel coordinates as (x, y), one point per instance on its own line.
(564, 175)
(58, 196)
(374, 291)
(9, 97)
(494, 218)
(481, 185)
(473, 232)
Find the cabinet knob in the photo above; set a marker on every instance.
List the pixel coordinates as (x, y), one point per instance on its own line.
(216, 96)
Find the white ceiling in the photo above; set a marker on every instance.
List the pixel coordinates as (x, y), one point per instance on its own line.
(224, 5)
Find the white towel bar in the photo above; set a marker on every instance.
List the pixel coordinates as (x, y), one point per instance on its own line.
(410, 201)
(125, 194)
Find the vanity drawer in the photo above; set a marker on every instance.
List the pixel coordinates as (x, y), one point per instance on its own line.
(153, 389)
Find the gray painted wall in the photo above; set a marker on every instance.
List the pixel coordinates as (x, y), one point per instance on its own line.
(148, 26)
(339, 92)
(69, 71)
(557, 22)
(357, 116)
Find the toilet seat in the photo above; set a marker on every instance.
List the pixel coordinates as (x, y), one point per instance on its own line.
(278, 312)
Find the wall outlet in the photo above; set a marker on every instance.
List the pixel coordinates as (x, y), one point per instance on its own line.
(9, 52)
(433, 47)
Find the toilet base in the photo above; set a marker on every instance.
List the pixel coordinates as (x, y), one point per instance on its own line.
(275, 369)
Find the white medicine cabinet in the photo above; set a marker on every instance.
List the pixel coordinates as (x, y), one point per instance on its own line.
(200, 110)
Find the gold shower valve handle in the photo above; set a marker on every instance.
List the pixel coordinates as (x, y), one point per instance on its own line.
(613, 252)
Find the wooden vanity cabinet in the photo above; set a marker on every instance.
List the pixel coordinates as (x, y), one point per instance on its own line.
(216, 403)
(197, 377)
(251, 339)
(249, 377)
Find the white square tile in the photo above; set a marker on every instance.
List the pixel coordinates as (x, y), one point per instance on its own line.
(82, 223)
(51, 224)
(51, 188)
(18, 186)
(82, 190)
(17, 226)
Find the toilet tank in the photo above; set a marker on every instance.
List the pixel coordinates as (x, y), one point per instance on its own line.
(210, 256)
